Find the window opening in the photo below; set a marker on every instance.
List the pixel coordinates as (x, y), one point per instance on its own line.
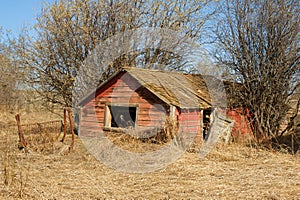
(122, 116)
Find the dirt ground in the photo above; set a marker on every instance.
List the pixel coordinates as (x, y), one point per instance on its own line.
(232, 171)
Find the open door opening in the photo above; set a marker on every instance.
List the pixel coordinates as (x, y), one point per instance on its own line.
(206, 123)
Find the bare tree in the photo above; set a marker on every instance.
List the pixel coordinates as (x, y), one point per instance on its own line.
(10, 76)
(68, 30)
(6, 83)
(258, 43)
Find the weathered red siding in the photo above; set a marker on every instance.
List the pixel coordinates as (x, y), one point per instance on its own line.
(241, 129)
(190, 121)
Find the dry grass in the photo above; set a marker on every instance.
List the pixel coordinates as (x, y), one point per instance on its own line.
(133, 144)
(142, 141)
(229, 172)
(28, 117)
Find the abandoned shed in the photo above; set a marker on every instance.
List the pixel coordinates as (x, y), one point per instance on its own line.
(145, 99)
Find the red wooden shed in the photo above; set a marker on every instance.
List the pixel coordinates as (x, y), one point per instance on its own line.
(146, 99)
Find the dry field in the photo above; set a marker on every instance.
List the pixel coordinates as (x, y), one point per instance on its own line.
(231, 171)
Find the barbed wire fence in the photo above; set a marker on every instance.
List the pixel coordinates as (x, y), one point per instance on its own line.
(41, 134)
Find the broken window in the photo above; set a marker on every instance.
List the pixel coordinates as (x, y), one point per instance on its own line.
(120, 116)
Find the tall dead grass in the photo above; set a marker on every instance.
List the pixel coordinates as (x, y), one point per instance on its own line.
(14, 171)
(28, 117)
(145, 139)
(14, 176)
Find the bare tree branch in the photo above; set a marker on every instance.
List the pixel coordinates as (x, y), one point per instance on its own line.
(259, 45)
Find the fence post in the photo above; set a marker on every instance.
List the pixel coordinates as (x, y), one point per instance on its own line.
(21, 136)
(72, 130)
(65, 125)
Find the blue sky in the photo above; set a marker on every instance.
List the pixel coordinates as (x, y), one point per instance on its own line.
(14, 14)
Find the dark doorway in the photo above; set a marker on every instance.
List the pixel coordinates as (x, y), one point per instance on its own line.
(206, 123)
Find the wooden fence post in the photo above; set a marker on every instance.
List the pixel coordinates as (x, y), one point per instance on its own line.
(72, 130)
(21, 136)
(65, 125)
